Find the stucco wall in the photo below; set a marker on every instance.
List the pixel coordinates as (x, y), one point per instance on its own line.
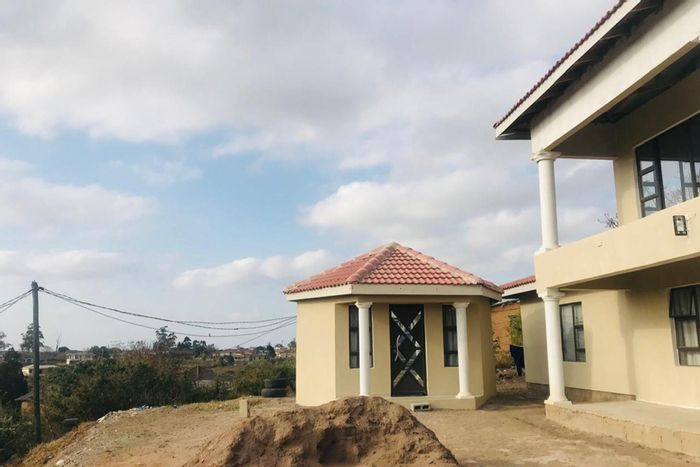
(500, 323)
(315, 358)
(629, 348)
(319, 380)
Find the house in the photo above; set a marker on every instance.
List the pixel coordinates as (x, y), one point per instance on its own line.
(28, 370)
(619, 311)
(76, 357)
(395, 323)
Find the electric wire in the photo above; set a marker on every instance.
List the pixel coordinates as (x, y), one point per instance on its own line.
(288, 321)
(9, 303)
(198, 324)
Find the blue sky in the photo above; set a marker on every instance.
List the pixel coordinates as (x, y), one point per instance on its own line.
(191, 159)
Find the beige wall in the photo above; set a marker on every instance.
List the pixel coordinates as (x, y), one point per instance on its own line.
(315, 352)
(319, 381)
(500, 323)
(629, 348)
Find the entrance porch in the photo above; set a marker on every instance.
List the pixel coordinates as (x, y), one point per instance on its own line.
(651, 425)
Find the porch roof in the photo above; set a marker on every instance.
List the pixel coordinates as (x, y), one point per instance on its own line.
(392, 265)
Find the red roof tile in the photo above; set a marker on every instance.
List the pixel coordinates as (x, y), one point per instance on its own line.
(518, 282)
(561, 61)
(391, 264)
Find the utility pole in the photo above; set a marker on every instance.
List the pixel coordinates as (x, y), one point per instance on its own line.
(37, 409)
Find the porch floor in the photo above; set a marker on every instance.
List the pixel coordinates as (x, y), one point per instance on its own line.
(652, 425)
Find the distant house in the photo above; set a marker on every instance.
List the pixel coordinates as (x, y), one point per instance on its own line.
(395, 323)
(76, 357)
(28, 370)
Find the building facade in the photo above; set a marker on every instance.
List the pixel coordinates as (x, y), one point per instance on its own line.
(618, 312)
(395, 323)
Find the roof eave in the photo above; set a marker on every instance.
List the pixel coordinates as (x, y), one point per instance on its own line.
(503, 128)
(395, 289)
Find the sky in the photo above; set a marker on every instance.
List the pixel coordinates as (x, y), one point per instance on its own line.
(189, 159)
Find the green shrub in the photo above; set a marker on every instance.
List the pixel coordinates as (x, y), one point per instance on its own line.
(250, 378)
(515, 326)
(88, 390)
(16, 436)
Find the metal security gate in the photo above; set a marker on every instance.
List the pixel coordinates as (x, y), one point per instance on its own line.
(407, 340)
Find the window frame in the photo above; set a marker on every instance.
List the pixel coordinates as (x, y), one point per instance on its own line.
(353, 309)
(446, 351)
(693, 145)
(677, 320)
(577, 329)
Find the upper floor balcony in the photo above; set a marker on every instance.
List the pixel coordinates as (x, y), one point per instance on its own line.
(646, 253)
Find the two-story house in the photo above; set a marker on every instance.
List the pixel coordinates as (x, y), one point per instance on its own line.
(620, 310)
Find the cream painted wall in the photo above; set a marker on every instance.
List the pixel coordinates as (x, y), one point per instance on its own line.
(323, 366)
(315, 358)
(629, 348)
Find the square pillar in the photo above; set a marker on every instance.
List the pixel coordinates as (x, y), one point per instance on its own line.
(363, 331)
(462, 350)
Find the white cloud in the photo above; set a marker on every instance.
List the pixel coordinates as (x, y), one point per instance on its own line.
(166, 173)
(255, 269)
(63, 265)
(49, 208)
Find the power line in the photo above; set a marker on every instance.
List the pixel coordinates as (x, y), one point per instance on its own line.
(198, 324)
(286, 322)
(8, 304)
(264, 333)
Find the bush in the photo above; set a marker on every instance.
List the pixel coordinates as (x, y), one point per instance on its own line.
(16, 436)
(89, 390)
(250, 379)
(503, 360)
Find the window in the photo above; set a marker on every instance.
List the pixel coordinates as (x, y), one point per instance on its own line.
(449, 335)
(572, 340)
(669, 167)
(354, 320)
(684, 311)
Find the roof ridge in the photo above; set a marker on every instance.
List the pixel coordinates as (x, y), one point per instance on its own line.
(445, 267)
(382, 253)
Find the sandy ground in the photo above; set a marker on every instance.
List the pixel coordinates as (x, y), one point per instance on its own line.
(510, 430)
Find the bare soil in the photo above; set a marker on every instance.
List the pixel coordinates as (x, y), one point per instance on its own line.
(510, 430)
(352, 431)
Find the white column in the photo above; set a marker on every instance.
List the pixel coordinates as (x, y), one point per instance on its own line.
(363, 323)
(548, 199)
(555, 365)
(462, 350)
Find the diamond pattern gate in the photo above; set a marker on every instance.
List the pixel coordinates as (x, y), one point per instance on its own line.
(407, 340)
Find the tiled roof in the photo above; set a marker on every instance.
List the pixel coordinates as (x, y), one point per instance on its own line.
(518, 282)
(391, 264)
(561, 61)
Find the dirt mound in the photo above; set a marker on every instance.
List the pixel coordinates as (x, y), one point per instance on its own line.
(359, 430)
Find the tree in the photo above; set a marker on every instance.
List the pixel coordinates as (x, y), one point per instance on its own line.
(165, 340)
(100, 351)
(3, 344)
(200, 348)
(270, 350)
(185, 344)
(292, 344)
(28, 338)
(12, 382)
